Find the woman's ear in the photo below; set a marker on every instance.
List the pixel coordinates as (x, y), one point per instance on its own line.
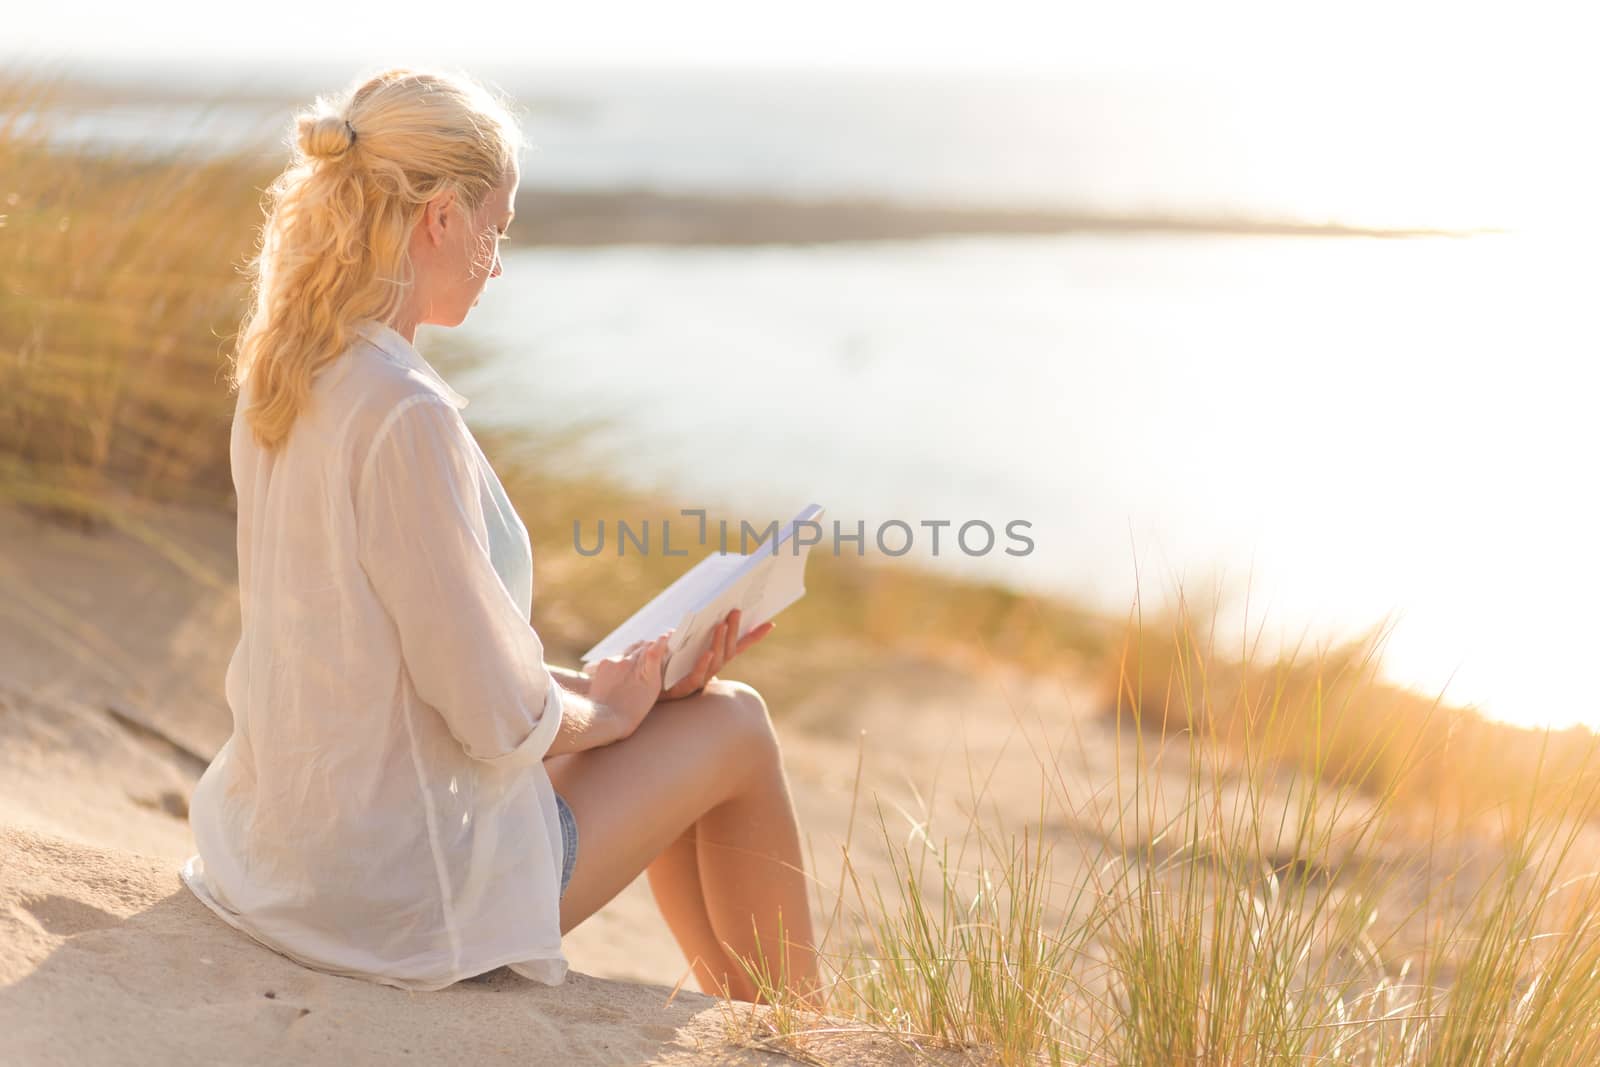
(436, 216)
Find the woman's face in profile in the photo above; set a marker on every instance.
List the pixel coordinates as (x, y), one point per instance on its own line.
(456, 252)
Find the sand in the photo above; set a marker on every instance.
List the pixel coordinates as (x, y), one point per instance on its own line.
(112, 655)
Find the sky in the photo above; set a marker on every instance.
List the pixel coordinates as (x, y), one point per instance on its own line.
(1497, 96)
(1352, 36)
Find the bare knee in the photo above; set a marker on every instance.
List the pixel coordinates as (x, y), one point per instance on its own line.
(747, 724)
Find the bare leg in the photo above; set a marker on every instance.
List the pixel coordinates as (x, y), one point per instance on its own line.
(675, 882)
(701, 777)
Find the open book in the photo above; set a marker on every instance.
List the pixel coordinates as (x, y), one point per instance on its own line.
(759, 584)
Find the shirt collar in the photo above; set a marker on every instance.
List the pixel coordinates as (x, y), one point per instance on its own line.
(388, 341)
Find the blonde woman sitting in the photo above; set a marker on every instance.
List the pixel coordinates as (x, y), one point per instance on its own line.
(411, 794)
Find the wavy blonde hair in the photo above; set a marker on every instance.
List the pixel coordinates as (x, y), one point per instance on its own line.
(335, 246)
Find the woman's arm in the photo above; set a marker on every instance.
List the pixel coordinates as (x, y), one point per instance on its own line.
(584, 725)
(422, 541)
(570, 680)
(618, 695)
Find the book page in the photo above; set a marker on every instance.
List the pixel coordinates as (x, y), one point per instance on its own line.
(760, 584)
(771, 584)
(669, 608)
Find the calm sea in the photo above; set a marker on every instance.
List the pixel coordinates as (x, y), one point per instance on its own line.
(1342, 429)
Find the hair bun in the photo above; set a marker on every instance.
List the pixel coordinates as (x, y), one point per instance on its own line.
(324, 136)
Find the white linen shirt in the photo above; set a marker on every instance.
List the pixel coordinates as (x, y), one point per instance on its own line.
(381, 809)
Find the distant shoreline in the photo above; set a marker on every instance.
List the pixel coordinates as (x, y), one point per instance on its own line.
(575, 216)
(582, 218)
(587, 217)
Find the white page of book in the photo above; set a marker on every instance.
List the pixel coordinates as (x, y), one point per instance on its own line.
(759, 584)
(772, 584)
(668, 609)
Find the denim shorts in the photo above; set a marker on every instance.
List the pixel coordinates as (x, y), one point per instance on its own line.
(569, 842)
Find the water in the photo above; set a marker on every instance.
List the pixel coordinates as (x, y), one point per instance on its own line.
(1409, 148)
(1355, 429)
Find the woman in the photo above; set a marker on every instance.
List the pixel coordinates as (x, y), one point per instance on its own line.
(410, 793)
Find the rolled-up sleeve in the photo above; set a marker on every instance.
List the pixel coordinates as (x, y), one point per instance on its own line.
(424, 546)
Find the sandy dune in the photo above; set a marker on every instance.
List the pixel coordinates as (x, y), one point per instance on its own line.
(109, 960)
(111, 660)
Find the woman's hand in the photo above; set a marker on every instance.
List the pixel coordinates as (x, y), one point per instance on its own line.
(724, 645)
(625, 687)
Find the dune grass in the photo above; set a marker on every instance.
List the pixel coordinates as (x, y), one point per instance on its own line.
(1333, 715)
(1299, 862)
(1218, 905)
(117, 289)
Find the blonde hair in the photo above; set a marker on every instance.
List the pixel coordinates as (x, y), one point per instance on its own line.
(335, 246)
